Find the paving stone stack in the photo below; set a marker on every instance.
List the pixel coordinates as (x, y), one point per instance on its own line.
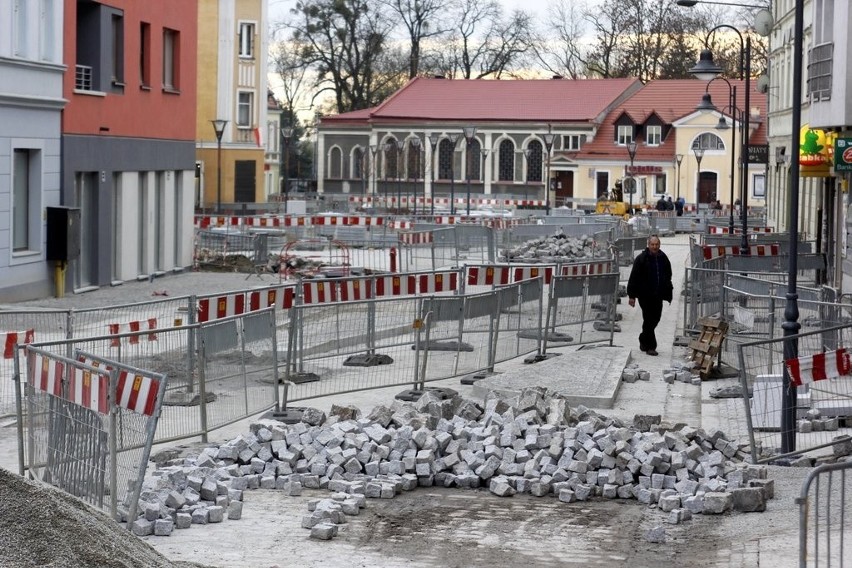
(558, 247)
(533, 444)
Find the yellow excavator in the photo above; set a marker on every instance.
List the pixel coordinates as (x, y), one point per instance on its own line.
(612, 203)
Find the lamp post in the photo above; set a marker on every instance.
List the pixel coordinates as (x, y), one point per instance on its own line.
(469, 133)
(548, 144)
(678, 160)
(527, 151)
(219, 127)
(286, 134)
(415, 145)
(699, 154)
(374, 149)
(631, 151)
(482, 168)
(434, 138)
(454, 138)
(706, 105)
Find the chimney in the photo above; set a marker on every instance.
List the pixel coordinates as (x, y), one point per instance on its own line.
(556, 77)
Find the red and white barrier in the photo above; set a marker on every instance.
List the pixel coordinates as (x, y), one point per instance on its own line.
(89, 390)
(587, 269)
(764, 250)
(438, 282)
(528, 272)
(137, 393)
(401, 225)
(354, 290)
(828, 365)
(223, 306)
(421, 238)
(12, 338)
(402, 285)
(318, 292)
(715, 251)
(489, 275)
(45, 374)
(132, 326)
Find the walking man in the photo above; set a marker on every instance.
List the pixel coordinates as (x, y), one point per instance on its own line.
(651, 282)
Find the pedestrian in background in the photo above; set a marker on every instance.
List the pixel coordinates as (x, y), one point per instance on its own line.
(651, 283)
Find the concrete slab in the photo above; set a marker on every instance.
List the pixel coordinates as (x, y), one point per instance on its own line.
(590, 377)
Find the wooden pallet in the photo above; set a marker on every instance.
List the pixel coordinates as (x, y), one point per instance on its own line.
(706, 347)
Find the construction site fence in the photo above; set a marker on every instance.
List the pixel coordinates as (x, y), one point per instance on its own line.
(384, 342)
(90, 423)
(218, 371)
(712, 246)
(703, 287)
(823, 517)
(822, 407)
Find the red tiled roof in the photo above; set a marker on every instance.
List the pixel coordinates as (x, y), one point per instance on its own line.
(670, 100)
(550, 100)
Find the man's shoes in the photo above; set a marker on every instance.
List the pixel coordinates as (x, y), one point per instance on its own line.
(642, 347)
(652, 352)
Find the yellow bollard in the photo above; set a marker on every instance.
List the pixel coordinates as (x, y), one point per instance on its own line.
(59, 278)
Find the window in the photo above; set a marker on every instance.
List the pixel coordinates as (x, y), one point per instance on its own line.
(245, 109)
(145, 54)
(117, 62)
(759, 185)
(20, 31)
(534, 154)
(391, 158)
(246, 39)
(475, 160)
(446, 155)
(654, 135)
(823, 22)
(335, 163)
(171, 51)
(413, 160)
(625, 135)
(358, 163)
(506, 167)
(48, 30)
(660, 184)
(26, 200)
(572, 142)
(708, 141)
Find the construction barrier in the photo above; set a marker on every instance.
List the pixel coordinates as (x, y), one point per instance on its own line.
(823, 516)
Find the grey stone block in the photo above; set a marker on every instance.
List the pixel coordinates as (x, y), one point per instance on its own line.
(235, 510)
(716, 503)
(749, 499)
(324, 531)
(215, 514)
(184, 520)
(142, 527)
(656, 535)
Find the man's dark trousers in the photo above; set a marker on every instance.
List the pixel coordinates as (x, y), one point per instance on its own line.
(652, 310)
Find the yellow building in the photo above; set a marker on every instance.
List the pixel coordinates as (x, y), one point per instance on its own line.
(232, 91)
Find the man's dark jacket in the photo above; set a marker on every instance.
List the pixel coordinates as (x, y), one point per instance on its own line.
(651, 277)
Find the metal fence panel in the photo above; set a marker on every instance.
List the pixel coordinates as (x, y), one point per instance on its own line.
(823, 517)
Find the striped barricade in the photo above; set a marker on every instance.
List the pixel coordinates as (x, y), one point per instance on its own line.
(262, 222)
(45, 374)
(438, 282)
(397, 285)
(116, 329)
(773, 249)
(222, 307)
(133, 391)
(587, 268)
(401, 225)
(354, 289)
(528, 272)
(205, 221)
(318, 292)
(819, 367)
(12, 338)
(488, 275)
(715, 251)
(419, 238)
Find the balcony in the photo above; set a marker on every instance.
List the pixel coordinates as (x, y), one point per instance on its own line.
(821, 59)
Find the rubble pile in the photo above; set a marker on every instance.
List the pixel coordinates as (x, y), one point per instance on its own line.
(556, 248)
(533, 444)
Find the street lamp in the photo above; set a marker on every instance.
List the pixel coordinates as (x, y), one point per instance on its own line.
(548, 144)
(631, 151)
(469, 133)
(678, 160)
(454, 138)
(434, 138)
(374, 149)
(699, 154)
(400, 151)
(482, 168)
(706, 105)
(286, 134)
(691, 3)
(415, 145)
(219, 127)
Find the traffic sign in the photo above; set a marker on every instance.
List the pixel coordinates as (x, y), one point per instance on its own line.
(843, 155)
(629, 185)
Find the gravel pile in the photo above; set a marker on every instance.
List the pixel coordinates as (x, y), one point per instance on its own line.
(535, 444)
(43, 526)
(557, 248)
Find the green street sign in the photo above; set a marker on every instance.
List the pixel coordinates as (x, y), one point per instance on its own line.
(843, 155)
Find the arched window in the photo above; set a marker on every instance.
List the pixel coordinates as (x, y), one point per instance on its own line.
(708, 141)
(534, 161)
(446, 151)
(390, 151)
(506, 169)
(335, 161)
(414, 160)
(358, 163)
(474, 160)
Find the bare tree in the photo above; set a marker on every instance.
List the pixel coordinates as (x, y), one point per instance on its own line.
(421, 20)
(559, 50)
(345, 43)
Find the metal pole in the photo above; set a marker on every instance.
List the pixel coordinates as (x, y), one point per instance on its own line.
(733, 106)
(219, 174)
(744, 153)
(791, 311)
(467, 172)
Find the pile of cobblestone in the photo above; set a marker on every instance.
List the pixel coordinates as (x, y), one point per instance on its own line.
(534, 444)
(558, 247)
